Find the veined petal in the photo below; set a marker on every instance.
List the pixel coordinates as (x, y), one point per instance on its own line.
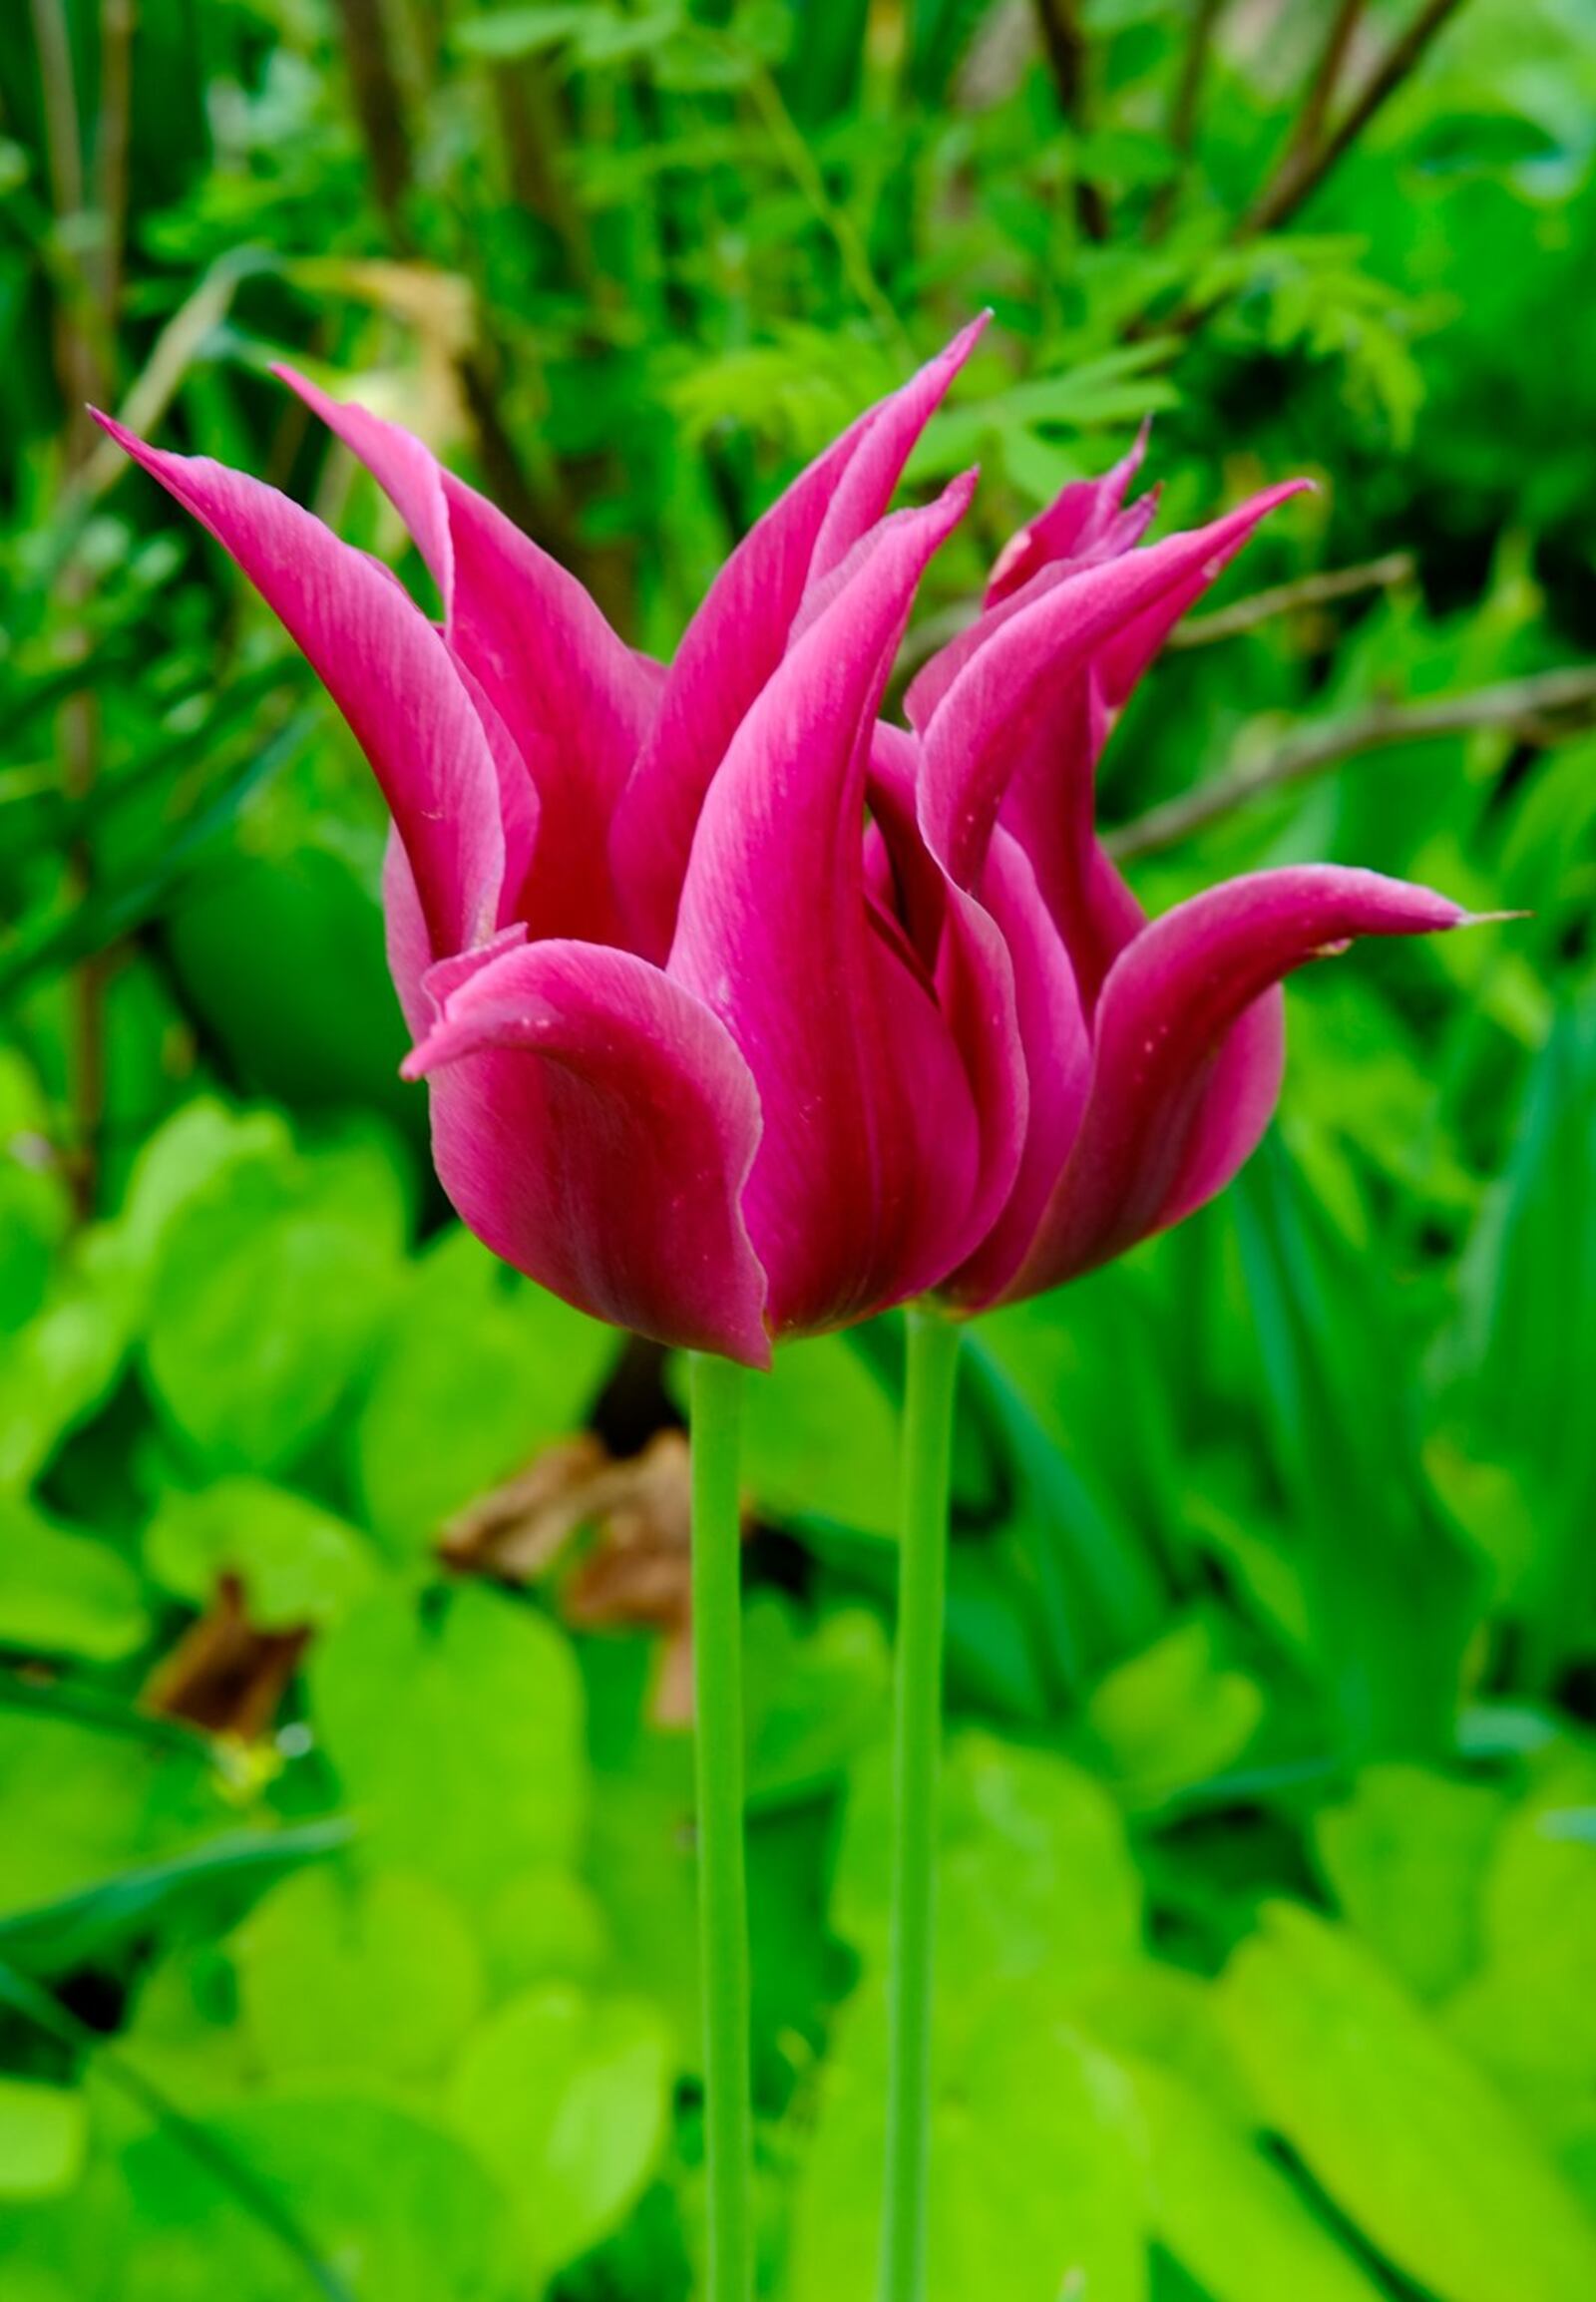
(1149, 1149)
(386, 668)
(1087, 520)
(1031, 657)
(574, 700)
(1020, 728)
(870, 1155)
(962, 945)
(594, 1123)
(742, 630)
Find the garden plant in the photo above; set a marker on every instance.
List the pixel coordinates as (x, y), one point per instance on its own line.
(866, 1607)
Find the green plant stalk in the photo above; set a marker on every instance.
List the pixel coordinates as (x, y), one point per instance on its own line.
(722, 1888)
(916, 1762)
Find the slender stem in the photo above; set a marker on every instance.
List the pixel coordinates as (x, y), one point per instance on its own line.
(917, 1757)
(722, 1890)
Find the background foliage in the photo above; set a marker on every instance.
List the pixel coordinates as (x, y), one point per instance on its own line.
(345, 1862)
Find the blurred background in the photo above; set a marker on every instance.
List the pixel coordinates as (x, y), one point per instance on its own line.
(346, 1857)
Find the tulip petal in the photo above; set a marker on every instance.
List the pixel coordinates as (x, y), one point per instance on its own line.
(388, 671)
(593, 1124)
(575, 701)
(744, 628)
(1020, 730)
(1088, 519)
(1149, 1148)
(860, 1190)
(972, 951)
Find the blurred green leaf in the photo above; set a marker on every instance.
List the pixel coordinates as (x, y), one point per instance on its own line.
(566, 2096)
(1396, 2124)
(455, 1726)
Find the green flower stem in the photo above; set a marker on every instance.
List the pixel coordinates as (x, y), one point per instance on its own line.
(917, 1756)
(722, 1890)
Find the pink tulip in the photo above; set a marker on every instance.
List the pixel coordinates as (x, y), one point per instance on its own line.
(1153, 1053)
(746, 1013)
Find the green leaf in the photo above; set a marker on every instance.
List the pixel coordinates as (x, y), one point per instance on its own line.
(1229, 2214)
(488, 1372)
(298, 1565)
(812, 1702)
(455, 1729)
(59, 1366)
(265, 1301)
(1034, 1875)
(1171, 1715)
(63, 1593)
(1406, 1858)
(399, 2206)
(211, 1885)
(820, 1439)
(44, 2139)
(1396, 2124)
(566, 2096)
(1526, 2012)
(1038, 2188)
(369, 1978)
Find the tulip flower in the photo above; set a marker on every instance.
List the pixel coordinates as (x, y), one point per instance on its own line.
(1149, 1054)
(747, 1015)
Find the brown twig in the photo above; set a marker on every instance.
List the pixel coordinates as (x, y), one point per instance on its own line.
(1307, 164)
(1315, 591)
(1068, 56)
(1183, 112)
(1537, 709)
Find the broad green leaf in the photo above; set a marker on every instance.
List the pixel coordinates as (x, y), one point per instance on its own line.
(1038, 2184)
(475, 1375)
(566, 2096)
(63, 1593)
(1172, 1715)
(44, 2136)
(361, 1978)
(400, 2208)
(79, 1804)
(59, 1365)
(297, 1564)
(1396, 2124)
(541, 1925)
(1034, 1875)
(1229, 2214)
(1406, 1858)
(812, 1702)
(820, 1439)
(1529, 2011)
(455, 1724)
(265, 1301)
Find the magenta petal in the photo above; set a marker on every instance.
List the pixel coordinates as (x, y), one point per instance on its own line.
(1088, 519)
(1149, 1149)
(1057, 1048)
(1024, 668)
(744, 628)
(593, 1124)
(386, 668)
(860, 1190)
(574, 701)
(972, 950)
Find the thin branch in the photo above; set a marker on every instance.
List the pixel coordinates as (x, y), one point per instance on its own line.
(1070, 56)
(1315, 591)
(1183, 112)
(1305, 169)
(1539, 710)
